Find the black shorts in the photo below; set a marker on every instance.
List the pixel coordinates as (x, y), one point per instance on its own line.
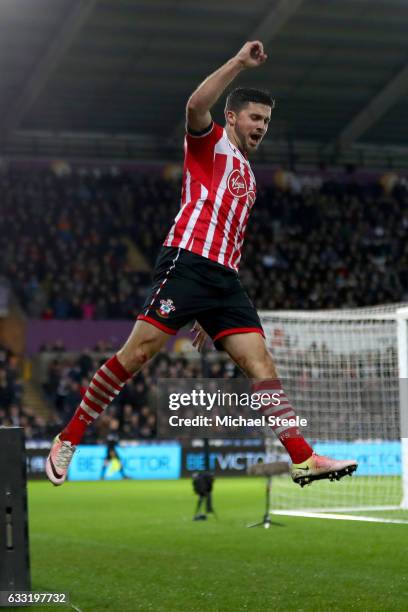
(189, 287)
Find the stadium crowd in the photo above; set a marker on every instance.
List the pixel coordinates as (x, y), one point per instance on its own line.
(65, 243)
(133, 414)
(339, 246)
(316, 373)
(65, 248)
(12, 411)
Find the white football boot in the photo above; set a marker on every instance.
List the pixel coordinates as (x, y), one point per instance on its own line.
(58, 460)
(318, 467)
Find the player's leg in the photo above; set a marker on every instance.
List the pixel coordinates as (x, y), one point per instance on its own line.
(105, 464)
(249, 352)
(143, 343)
(170, 305)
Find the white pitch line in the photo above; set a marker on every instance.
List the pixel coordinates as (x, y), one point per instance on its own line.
(342, 509)
(75, 608)
(339, 517)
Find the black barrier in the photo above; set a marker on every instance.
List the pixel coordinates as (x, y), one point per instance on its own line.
(14, 551)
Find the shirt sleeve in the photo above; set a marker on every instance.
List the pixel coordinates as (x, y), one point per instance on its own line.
(200, 133)
(203, 143)
(199, 152)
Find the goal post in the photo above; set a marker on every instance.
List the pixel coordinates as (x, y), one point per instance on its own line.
(346, 372)
(402, 333)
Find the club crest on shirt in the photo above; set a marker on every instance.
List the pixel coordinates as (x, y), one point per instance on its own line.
(237, 186)
(166, 307)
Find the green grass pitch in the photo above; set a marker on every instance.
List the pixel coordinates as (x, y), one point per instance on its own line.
(126, 546)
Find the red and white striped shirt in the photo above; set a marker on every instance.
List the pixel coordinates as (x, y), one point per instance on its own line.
(217, 195)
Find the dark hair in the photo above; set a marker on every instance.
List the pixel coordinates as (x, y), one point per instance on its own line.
(241, 96)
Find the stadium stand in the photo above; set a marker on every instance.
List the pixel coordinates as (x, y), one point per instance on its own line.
(67, 257)
(12, 411)
(134, 410)
(323, 245)
(340, 244)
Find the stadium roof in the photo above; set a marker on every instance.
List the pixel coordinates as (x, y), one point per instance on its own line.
(111, 77)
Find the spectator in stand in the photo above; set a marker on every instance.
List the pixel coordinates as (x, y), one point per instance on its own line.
(322, 244)
(64, 242)
(12, 412)
(134, 408)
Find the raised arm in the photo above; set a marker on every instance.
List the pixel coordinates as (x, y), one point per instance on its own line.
(201, 101)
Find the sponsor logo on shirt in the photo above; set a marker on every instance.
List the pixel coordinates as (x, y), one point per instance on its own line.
(237, 186)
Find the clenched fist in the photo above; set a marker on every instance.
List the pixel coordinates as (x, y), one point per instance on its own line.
(252, 54)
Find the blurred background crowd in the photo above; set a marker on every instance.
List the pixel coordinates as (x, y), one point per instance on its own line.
(69, 246)
(12, 411)
(338, 244)
(132, 415)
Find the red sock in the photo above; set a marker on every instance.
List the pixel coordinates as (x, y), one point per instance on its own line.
(106, 384)
(291, 438)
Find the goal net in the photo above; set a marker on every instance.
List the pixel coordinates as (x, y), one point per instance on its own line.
(345, 371)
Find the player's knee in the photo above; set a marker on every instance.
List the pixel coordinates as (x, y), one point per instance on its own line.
(141, 355)
(134, 358)
(259, 365)
(243, 361)
(267, 367)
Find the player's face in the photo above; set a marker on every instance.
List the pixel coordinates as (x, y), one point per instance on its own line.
(250, 125)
